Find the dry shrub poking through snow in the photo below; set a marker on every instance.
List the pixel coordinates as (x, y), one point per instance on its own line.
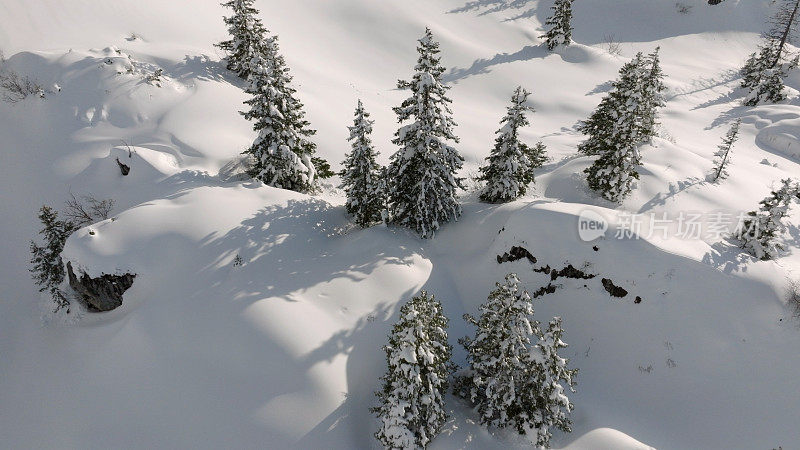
(14, 87)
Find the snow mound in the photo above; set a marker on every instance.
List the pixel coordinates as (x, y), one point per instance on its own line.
(606, 439)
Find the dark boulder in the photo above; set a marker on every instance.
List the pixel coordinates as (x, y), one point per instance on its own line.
(103, 293)
(515, 254)
(614, 290)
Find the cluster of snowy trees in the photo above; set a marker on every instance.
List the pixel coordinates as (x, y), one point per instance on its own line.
(515, 379)
(419, 187)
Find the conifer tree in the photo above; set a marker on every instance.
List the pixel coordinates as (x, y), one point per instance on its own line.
(625, 119)
(509, 169)
(361, 177)
(759, 232)
(615, 134)
(538, 155)
(783, 26)
(764, 71)
(554, 403)
(247, 34)
(764, 81)
(282, 150)
(723, 155)
(560, 25)
(653, 88)
(422, 173)
(411, 409)
(515, 372)
(617, 110)
(48, 269)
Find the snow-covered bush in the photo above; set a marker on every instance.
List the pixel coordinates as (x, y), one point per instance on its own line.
(48, 269)
(411, 409)
(15, 87)
(361, 176)
(515, 375)
(422, 173)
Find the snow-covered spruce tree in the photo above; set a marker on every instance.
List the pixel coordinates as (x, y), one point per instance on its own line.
(653, 88)
(247, 34)
(48, 269)
(361, 177)
(560, 25)
(411, 409)
(759, 232)
(282, 150)
(422, 173)
(615, 134)
(509, 169)
(537, 155)
(723, 154)
(554, 404)
(638, 92)
(515, 372)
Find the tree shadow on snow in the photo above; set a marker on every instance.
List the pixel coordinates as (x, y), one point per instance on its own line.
(267, 244)
(575, 54)
(727, 256)
(674, 189)
(484, 7)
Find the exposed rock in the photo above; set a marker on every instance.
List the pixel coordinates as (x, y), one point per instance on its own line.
(515, 254)
(549, 289)
(638, 300)
(124, 168)
(103, 293)
(615, 291)
(570, 272)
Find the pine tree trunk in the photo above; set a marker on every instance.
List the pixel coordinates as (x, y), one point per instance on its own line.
(785, 35)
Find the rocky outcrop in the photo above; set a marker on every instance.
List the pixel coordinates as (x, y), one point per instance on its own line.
(103, 293)
(515, 254)
(613, 289)
(570, 272)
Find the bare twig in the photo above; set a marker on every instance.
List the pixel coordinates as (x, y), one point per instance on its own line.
(87, 209)
(612, 46)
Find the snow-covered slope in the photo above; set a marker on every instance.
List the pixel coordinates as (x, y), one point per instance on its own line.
(284, 350)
